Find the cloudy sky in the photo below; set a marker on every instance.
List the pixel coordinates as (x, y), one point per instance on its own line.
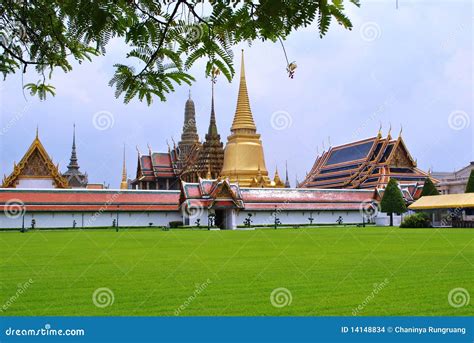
(411, 66)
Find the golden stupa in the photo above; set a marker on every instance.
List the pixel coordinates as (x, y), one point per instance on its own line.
(244, 161)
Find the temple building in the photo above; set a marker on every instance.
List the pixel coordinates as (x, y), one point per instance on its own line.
(211, 154)
(453, 182)
(74, 177)
(244, 161)
(164, 170)
(368, 164)
(35, 170)
(217, 203)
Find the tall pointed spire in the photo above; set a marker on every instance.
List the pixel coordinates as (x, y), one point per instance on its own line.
(189, 134)
(212, 123)
(73, 160)
(124, 183)
(243, 119)
(211, 155)
(76, 178)
(243, 155)
(287, 180)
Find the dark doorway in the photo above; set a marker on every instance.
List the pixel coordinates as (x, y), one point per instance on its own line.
(220, 219)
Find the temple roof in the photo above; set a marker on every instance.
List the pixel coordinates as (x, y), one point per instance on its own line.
(35, 163)
(367, 163)
(206, 192)
(159, 164)
(91, 200)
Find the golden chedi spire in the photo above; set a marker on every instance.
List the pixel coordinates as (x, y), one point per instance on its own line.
(244, 161)
(243, 119)
(124, 183)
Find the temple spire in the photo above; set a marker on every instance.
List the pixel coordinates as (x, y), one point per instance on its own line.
(212, 131)
(287, 180)
(73, 160)
(243, 119)
(124, 184)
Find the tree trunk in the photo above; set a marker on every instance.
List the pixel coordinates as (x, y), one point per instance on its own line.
(391, 219)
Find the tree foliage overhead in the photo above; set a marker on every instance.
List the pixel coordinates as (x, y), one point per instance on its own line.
(165, 38)
(429, 188)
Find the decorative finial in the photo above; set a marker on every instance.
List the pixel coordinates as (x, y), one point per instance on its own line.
(324, 148)
(124, 183)
(401, 130)
(389, 131)
(189, 93)
(329, 141)
(37, 134)
(379, 134)
(149, 148)
(138, 151)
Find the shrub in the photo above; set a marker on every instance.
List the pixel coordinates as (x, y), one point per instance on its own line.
(417, 220)
(175, 224)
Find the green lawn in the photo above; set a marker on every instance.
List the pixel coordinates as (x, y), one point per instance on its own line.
(327, 271)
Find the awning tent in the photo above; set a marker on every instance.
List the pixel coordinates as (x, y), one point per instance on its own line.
(464, 200)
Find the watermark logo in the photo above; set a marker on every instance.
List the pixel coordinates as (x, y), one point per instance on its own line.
(103, 297)
(103, 120)
(199, 288)
(369, 209)
(458, 120)
(458, 297)
(21, 288)
(14, 208)
(370, 31)
(193, 33)
(377, 287)
(281, 297)
(195, 210)
(281, 120)
(16, 32)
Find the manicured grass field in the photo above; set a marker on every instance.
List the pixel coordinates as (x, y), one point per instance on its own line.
(326, 271)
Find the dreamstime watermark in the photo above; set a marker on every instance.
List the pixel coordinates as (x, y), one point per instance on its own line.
(369, 209)
(16, 118)
(193, 33)
(199, 288)
(281, 297)
(103, 208)
(458, 120)
(281, 120)
(103, 297)
(376, 114)
(456, 213)
(370, 31)
(195, 210)
(103, 120)
(14, 208)
(22, 287)
(14, 32)
(47, 330)
(377, 288)
(458, 297)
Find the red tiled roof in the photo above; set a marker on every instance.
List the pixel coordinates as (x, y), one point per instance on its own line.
(91, 200)
(304, 199)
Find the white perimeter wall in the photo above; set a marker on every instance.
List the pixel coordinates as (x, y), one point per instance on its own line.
(139, 219)
(90, 219)
(299, 217)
